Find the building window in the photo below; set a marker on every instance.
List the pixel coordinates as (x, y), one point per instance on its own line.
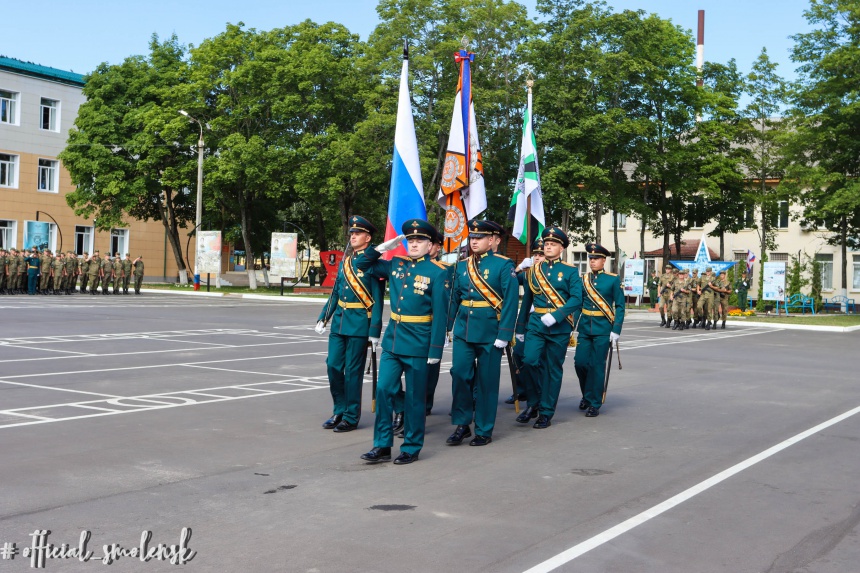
(50, 114)
(826, 262)
(775, 257)
(779, 217)
(855, 279)
(83, 240)
(619, 221)
(696, 216)
(580, 261)
(119, 241)
(749, 217)
(8, 234)
(8, 107)
(48, 171)
(8, 170)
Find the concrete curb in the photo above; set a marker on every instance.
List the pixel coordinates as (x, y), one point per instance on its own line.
(813, 327)
(189, 292)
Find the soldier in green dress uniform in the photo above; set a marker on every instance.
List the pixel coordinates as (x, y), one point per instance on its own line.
(518, 353)
(653, 288)
(433, 369)
(482, 315)
(32, 263)
(554, 288)
(600, 326)
(414, 338)
(742, 287)
(354, 310)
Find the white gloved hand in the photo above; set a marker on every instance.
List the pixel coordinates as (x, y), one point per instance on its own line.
(432, 361)
(374, 343)
(447, 342)
(613, 337)
(548, 320)
(320, 327)
(499, 343)
(527, 262)
(736, 290)
(520, 337)
(390, 244)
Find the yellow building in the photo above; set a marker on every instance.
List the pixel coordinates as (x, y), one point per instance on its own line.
(38, 106)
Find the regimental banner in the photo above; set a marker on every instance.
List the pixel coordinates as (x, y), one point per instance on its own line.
(634, 277)
(774, 281)
(331, 262)
(283, 259)
(209, 252)
(37, 234)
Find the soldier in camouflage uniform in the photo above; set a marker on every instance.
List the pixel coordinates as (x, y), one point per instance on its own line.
(58, 270)
(83, 270)
(667, 280)
(45, 271)
(694, 298)
(3, 270)
(138, 274)
(94, 272)
(12, 271)
(117, 273)
(71, 272)
(706, 297)
(723, 292)
(681, 301)
(126, 273)
(22, 273)
(107, 274)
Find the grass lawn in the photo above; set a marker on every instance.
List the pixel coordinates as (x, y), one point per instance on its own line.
(818, 319)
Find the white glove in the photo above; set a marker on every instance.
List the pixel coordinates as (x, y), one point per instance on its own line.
(736, 290)
(499, 343)
(520, 337)
(432, 361)
(447, 342)
(613, 337)
(390, 244)
(320, 327)
(374, 343)
(527, 262)
(547, 320)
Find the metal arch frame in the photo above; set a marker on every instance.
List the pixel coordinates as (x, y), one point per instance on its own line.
(300, 251)
(59, 231)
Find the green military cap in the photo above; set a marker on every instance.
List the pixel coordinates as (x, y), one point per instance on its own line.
(709, 269)
(557, 235)
(437, 237)
(358, 224)
(417, 229)
(537, 246)
(497, 229)
(479, 229)
(596, 251)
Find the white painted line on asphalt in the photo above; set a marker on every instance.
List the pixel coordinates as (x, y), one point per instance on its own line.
(79, 354)
(236, 371)
(625, 526)
(8, 413)
(57, 389)
(695, 338)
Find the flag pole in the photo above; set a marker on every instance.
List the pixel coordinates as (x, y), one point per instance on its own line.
(529, 82)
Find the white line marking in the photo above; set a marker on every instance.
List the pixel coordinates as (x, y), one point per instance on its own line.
(59, 389)
(79, 354)
(7, 412)
(237, 371)
(625, 526)
(92, 407)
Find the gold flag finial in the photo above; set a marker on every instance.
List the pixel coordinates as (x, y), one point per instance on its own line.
(464, 41)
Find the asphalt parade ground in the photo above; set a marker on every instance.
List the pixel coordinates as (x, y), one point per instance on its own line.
(725, 451)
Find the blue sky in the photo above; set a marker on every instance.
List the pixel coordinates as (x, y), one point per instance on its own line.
(79, 35)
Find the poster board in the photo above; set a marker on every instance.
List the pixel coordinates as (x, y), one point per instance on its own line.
(634, 277)
(209, 252)
(774, 281)
(331, 262)
(283, 255)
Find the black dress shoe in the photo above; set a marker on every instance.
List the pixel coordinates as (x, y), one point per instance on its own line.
(377, 455)
(480, 441)
(345, 426)
(543, 422)
(592, 412)
(332, 422)
(397, 424)
(583, 404)
(528, 414)
(460, 434)
(510, 399)
(401, 434)
(405, 458)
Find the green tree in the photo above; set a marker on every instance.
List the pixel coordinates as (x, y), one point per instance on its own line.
(130, 153)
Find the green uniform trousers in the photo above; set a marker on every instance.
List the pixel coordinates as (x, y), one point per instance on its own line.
(544, 361)
(432, 382)
(347, 356)
(518, 355)
(391, 367)
(32, 279)
(742, 299)
(138, 280)
(43, 286)
(482, 402)
(590, 358)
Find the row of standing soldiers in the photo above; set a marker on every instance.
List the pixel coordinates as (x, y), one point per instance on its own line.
(695, 301)
(473, 305)
(44, 272)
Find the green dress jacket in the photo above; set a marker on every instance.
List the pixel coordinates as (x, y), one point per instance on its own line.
(344, 310)
(481, 325)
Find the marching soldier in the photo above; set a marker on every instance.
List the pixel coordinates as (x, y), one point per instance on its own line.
(600, 326)
(138, 274)
(742, 287)
(94, 272)
(482, 315)
(555, 290)
(355, 312)
(706, 298)
(413, 339)
(723, 292)
(126, 273)
(83, 270)
(667, 280)
(681, 301)
(106, 274)
(653, 288)
(433, 369)
(518, 353)
(694, 297)
(118, 275)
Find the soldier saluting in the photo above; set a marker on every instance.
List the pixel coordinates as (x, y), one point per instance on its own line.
(600, 326)
(482, 315)
(355, 312)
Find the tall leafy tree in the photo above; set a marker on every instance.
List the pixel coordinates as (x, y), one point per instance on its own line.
(129, 154)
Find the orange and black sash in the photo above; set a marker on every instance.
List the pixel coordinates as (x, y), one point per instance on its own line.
(485, 290)
(355, 283)
(545, 287)
(597, 299)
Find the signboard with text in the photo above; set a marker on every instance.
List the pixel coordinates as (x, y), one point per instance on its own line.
(773, 276)
(634, 277)
(209, 252)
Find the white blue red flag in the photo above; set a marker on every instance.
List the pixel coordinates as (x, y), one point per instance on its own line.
(461, 191)
(406, 196)
(750, 261)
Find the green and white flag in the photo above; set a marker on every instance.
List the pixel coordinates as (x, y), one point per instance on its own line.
(528, 185)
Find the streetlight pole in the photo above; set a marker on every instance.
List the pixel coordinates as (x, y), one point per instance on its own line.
(199, 215)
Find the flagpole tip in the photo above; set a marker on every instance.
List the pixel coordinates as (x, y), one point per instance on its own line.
(405, 49)
(530, 83)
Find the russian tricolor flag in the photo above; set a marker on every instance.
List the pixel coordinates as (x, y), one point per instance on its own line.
(406, 197)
